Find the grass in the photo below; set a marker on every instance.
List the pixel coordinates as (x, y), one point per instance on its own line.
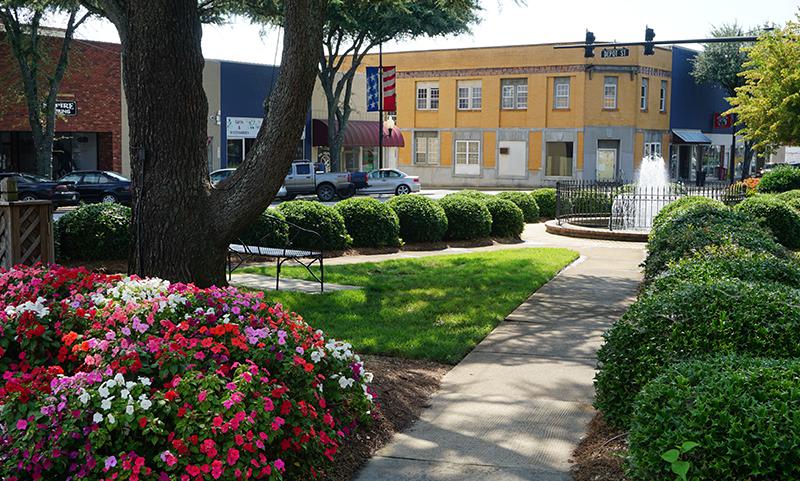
(436, 308)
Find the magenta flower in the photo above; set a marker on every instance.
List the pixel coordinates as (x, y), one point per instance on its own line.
(22, 425)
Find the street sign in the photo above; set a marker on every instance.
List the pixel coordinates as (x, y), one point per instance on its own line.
(615, 52)
(66, 108)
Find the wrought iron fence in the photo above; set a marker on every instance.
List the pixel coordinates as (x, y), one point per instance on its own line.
(621, 205)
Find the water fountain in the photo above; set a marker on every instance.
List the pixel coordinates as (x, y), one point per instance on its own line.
(640, 202)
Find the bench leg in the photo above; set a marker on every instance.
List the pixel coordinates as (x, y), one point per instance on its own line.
(321, 275)
(278, 276)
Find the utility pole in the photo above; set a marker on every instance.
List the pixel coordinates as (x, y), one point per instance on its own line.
(732, 162)
(380, 105)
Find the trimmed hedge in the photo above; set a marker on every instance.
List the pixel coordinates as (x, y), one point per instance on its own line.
(268, 230)
(789, 195)
(676, 207)
(472, 194)
(794, 204)
(326, 221)
(370, 222)
(703, 225)
(507, 219)
(467, 218)
(421, 219)
(780, 179)
(692, 320)
(530, 210)
(742, 413)
(546, 200)
(94, 232)
(776, 215)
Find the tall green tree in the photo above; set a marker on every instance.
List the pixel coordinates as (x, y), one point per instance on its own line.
(768, 103)
(42, 58)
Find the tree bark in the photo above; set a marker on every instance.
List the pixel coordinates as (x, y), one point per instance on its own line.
(181, 224)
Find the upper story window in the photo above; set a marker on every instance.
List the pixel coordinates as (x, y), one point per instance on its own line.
(561, 93)
(662, 97)
(610, 93)
(644, 94)
(469, 95)
(514, 93)
(426, 149)
(427, 95)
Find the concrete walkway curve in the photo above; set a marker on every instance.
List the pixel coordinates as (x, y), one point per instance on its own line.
(518, 404)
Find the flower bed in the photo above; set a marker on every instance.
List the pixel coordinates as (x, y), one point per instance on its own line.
(107, 377)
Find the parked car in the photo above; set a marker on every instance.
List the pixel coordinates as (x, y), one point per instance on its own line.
(32, 187)
(99, 186)
(391, 181)
(219, 175)
(306, 178)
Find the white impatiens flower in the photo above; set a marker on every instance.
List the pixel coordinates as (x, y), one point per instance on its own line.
(84, 397)
(106, 404)
(145, 381)
(97, 418)
(145, 404)
(103, 391)
(111, 419)
(368, 377)
(124, 394)
(129, 409)
(317, 356)
(37, 307)
(119, 379)
(345, 382)
(111, 384)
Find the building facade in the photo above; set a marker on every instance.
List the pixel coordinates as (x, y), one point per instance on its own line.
(525, 116)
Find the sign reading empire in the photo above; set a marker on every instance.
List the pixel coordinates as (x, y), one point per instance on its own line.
(615, 52)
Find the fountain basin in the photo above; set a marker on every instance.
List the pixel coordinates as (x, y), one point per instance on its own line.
(571, 230)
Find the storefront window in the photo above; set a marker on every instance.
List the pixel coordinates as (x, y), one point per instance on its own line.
(369, 158)
(559, 159)
(351, 162)
(235, 151)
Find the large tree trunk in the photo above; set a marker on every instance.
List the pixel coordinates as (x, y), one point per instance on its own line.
(181, 225)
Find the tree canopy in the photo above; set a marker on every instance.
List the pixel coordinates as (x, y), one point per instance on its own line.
(721, 63)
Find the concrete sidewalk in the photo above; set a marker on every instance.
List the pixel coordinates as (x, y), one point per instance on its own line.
(518, 404)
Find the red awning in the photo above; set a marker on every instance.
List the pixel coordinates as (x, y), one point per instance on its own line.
(358, 133)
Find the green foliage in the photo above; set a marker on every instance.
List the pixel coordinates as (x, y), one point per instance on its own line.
(94, 232)
(421, 219)
(780, 179)
(691, 320)
(268, 230)
(546, 200)
(720, 63)
(673, 457)
(530, 210)
(370, 222)
(324, 220)
(467, 218)
(590, 203)
(703, 225)
(507, 219)
(794, 204)
(741, 411)
(472, 194)
(767, 105)
(789, 195)
(676, 207)
(776, 215)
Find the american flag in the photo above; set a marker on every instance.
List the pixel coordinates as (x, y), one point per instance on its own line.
(373, 89)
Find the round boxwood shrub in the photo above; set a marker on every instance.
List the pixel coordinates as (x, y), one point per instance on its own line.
(693, 319)
(421, 219)
(780, 179)
(677, 206)
(370, 222)
(472, 194)
(530, 210)
(467, 218)
(94, 232)
(507, 219)
(324, 220)
(702, 225)
(546, 200)
(268, 230)
(794, 204)
(789, 195)
(741, 412)
(776, 215)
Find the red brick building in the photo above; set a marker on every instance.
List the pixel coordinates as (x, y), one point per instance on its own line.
(88, 135)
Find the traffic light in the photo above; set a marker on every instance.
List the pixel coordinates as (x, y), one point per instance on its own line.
(649, 46)
(588, 50)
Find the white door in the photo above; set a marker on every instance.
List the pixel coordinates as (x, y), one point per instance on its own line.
(606, 164)
(511, 161)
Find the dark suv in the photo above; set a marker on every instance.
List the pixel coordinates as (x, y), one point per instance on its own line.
(32, 187)
(99, 186)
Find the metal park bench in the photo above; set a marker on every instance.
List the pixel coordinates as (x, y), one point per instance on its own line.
(243, 252)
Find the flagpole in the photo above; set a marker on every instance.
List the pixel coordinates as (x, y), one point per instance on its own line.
(380, 105)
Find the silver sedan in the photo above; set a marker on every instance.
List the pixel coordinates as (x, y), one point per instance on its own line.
(390, 181)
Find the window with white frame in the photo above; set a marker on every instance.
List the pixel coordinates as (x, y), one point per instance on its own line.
(469, 95)
(426, 148)
(514, 94)
(610, 93)
(468, 157)
(427, 95)
(559, 156)
(662, 97)
(644, 94)
(652, 149)
(561, 93)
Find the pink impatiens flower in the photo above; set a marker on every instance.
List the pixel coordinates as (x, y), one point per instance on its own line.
(22, 425)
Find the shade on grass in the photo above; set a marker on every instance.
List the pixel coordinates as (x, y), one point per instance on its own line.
(435, 308)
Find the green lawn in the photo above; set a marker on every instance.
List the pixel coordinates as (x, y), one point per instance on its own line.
(435, 308)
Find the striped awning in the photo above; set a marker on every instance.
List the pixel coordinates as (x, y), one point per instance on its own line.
(688, 136)
(358, 133)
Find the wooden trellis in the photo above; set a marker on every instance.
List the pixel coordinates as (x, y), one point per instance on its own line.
(26, 230)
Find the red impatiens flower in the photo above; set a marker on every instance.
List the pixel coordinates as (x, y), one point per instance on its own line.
(142, 422)
(233, 456)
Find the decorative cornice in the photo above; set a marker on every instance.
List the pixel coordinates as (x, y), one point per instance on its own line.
(501, 71)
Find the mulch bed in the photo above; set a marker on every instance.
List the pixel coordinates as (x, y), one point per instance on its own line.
(599, 456)
(403, 387)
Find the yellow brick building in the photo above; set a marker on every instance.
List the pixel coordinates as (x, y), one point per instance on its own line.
(528, 115)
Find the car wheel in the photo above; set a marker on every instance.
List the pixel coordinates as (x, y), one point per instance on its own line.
(110, 198)
(402, 189)
(326, 192)
(347, 192)
(28, 197)
(287, 197)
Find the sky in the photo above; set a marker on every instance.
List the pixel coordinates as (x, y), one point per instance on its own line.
(505, 22)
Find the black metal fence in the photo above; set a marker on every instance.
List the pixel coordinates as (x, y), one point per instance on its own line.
(629, 206)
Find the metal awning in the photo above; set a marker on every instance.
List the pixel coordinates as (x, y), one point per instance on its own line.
(689, 136)
(358, 133)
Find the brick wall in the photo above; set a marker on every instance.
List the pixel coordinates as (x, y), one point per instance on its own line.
(92, 80)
